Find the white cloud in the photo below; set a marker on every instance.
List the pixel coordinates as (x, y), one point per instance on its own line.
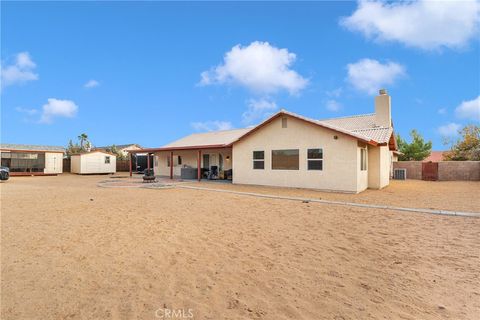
(258, 110)
(449, 130)
(58, 108)
(370, 75)
(259, 67)
(442, 111)
(333, 105)
(212, 125)
(21, 71)
(91, 84)
(335, 93)
(469, 110)
(423, 24)
(27, 111)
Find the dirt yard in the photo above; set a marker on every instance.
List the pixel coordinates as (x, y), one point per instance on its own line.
(73, 250)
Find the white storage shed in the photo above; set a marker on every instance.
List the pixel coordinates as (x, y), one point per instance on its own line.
(95, 162)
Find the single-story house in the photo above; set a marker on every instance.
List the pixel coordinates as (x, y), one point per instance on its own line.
(348, 154)
(26, 159)
(93, 162)
(121, 148)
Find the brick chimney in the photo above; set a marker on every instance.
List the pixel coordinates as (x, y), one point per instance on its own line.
(383, 109)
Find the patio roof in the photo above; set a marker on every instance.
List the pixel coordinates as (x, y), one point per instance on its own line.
(199, 141)
(30, 148)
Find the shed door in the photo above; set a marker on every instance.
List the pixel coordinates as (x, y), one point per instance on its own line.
(430, 171)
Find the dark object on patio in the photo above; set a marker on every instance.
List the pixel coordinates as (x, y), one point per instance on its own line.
(188, 173)
(148, 176)
(228, 174)
(213, 173)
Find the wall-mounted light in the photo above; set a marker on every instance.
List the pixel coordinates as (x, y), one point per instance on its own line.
(227, 157)
(335, 137)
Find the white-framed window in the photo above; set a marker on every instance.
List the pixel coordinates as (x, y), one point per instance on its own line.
(363, 159)
(107, 159)
(315, 159)
(285, 159)
(259, 160)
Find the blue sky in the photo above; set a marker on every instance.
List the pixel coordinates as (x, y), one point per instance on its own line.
(152, 72)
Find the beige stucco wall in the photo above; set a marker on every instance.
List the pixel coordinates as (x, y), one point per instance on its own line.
(379, 167)
(189, 159)
(53, 162)
(91, 163)
(339, 166)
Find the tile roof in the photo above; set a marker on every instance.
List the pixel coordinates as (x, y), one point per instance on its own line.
(30, 147)
(435, 156)
(362, 127)
(363, 124)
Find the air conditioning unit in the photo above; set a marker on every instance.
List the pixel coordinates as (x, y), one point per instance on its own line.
(400, 174)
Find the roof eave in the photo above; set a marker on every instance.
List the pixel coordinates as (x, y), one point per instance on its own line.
(31, 150)
(282, 112)
(181, 148)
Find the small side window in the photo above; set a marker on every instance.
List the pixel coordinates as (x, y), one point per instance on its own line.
(179, 160)
(315, 159)
(107, 159)
(363, 159)
(259, 160)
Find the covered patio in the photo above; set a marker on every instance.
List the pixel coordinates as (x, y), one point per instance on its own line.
(213, 162)
(206, 155)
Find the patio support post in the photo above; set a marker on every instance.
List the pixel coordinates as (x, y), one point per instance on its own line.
(148, 162)
(171, 165)
(130, 162)
(199, 171)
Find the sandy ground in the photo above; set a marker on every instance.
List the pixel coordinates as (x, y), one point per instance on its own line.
(72, 250)
(445, 195)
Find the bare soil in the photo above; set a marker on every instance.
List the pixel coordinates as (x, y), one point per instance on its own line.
(73, 250)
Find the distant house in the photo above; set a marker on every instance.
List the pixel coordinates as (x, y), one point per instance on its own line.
(93, 162)
(27, 159)
(122, 148)
(347, 154)
(435, 156)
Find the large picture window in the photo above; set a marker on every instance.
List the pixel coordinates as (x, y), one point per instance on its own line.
(285, 159)
(315, 159)
(258, 159)
(363, 159)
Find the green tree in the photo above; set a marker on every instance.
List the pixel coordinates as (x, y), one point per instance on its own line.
(416, 150)
(113, 149)
(467, 147)
(83, 138)
(73, 148)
